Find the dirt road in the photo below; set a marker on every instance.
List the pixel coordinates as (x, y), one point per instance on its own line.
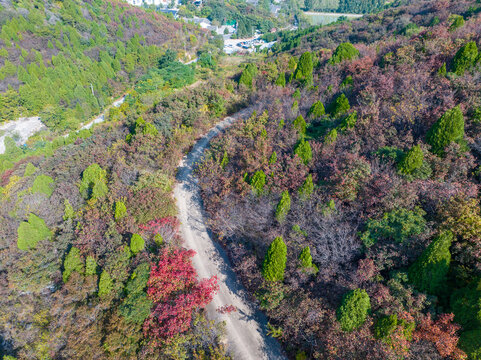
(246, 328)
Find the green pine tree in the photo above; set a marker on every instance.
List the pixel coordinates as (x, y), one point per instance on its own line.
(73, 262)
(449, 128)
(412, 160)
(352, 312)
(106, 284)
(304, 151)
(275, 259)
(283, 206)
(137, 243)
(305, 258)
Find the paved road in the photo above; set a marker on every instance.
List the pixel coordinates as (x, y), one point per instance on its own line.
(246, 328)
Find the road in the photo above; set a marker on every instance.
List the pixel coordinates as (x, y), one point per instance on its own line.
(246, 328)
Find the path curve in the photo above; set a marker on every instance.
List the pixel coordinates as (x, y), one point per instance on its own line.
(246, 328)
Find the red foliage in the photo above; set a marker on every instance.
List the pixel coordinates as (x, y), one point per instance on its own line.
(442, 333)
(176, 293)
(226, 309)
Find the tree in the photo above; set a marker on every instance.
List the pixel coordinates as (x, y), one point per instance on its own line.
(90, 266)
(348, 122)
(275, 259)
(470, 343)
(304, 151)
(466, 305)
(43, 184)
(120, 210)
(307, 188)
(457, 21)
(465, 58)
(300, 125)
(248, 75)
(316, 110)
(340, 106)
(304, 67)
(73, 262)
(281, 80)
(429, 272)
(306, 260)
(412, 160)
(94, 182)
(258, 182)
(449, 128)
(31, 232)
(69, 212)
(345, 51)
(354, 308)
(283, 206)
(106, 284)
(137, 243)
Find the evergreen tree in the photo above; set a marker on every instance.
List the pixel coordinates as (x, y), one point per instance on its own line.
(305, 67)
(137, 243)
(340, 105)
(90, 266)
(304, 151)
(281, 80)
(43, 184)
(69, 211)
(283, 206)
(345, 51)
(31, 232)
(106, 284)
(73, 262)
(94, 182)
(449, 128)
(466, 305)
(120, 210)
(354, 308)
(305, 258)
(273, 158)
(429, 272)
(300, 125)
(316, 110)
(465, 58)
(275, 259)
(258, 182)
(307, 188)
(412, 160)
(348, 122)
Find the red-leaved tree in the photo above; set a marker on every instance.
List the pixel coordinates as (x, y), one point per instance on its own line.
(176, 293)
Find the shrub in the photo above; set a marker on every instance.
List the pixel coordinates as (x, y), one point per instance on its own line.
(275, 259)
(306, 260)
(136, 305)
(465, 58)
(340, 106)
(466, 305)
(307, 188)
(94, 182)
(152, 203)
(106, 284)
(316, 110)
(273, 158)
(258, 182)
(304, 151)
(300, 125)
(137, 243)
(398, 225)
(429, 272)
(283, 206)
(412, 160)
(470, 343)
(331, 137)
(73, 262)
(449, 128)
(442, 71)
(385, 326)
(120, 210)
(31, 232)
(43, 184)
(248, 75)
(29, 170)
(281, 80)
(457, 21)
(90, 266)
(69, 212)
(345, 51)
(354, 308)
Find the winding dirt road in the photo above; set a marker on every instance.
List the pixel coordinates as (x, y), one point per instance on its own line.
(246, 328)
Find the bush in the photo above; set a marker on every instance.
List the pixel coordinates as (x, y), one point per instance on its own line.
(300, 125)
(385, 326)
(412, 160)
(275, 259)
(69, 212)
(307, 188)
(306, 260)
(348, 122)
(29, 170)
(354, 308)
(465, 58)
(258, 182)
(470, 343)
(429, 272)
(331, 137)
(136, 306)
(31, 232)
(398, 225)
(94, 182)
(248, 75)
(120, 210)
(73, 262)
(106, 284)
(137, 243)
(283, 206)
(281, 80)
(340, 106)
(457, 21)
(345, 51)
(304, 151)
(90, 266)
(449, 128)
(43, 184)
(316, 110)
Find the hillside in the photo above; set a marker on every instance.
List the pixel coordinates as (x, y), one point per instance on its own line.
(348, 201)
(65, 61)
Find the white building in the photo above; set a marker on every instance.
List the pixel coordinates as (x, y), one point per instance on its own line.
(162, 3)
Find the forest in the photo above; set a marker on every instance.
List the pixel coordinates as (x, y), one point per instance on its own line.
(349, 199)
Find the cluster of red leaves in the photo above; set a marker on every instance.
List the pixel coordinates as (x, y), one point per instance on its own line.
(226, 309)
(155, 226)
(176, 293)
(442, 333)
